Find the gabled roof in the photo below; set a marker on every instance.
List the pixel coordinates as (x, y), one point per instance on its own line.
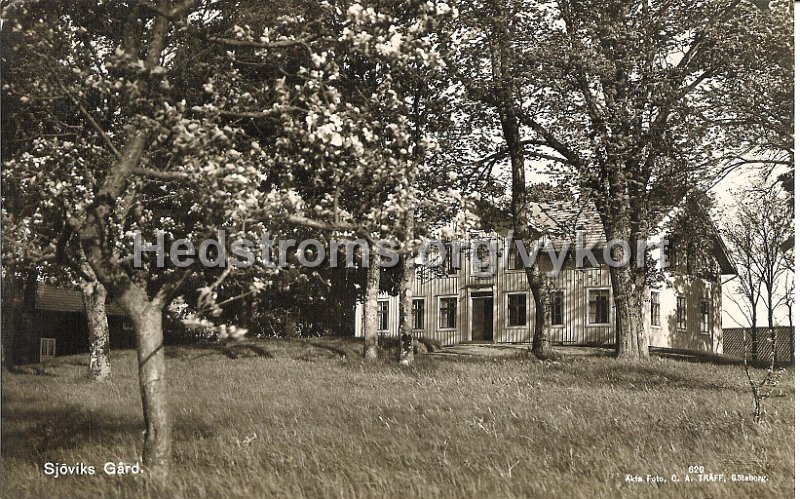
(561, 221)
(565, 219)
(57, 299)
(720, 248)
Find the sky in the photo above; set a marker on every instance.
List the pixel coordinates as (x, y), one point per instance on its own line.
(731, 314)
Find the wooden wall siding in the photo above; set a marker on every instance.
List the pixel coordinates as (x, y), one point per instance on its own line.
(575, 283)
(431, 289)
(431, 286)
(695, 290)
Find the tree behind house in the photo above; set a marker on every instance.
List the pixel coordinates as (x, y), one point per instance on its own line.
(757, 235)
(617, 97)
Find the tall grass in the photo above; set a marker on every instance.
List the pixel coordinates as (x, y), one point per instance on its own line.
(288, 418)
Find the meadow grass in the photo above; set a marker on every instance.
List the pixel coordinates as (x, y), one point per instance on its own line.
(295, 418)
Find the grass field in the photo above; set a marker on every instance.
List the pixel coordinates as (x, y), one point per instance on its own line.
(292, 418)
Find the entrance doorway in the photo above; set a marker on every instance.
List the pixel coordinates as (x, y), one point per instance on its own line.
(482, 318)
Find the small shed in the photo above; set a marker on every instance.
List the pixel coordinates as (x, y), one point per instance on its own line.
(58, 313)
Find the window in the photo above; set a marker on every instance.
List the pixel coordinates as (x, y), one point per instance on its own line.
(705, 317)
(557, 308)
(452, 259)
(482, 258)
(680, 313)
(691, 258)
(515, 257)
(655, 309)
(447, 312)
(517, 309)
(418, 313)
(383, 315)
(598, 306)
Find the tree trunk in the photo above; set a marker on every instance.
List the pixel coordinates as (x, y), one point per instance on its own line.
(156, 452)
(96, 245)
(406, 354)
(94, 304)
(406, 349)
(642, 332)
(10, 302)
(27, 334)
(773, 335)
(540, 346)
(754, 334)
(791, 335)
(290, 325)
(629, 316)
(246, 314)
(370, 324)
(627, 283)
(510, 123)
(9, 330)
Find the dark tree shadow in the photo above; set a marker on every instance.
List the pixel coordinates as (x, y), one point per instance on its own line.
(232, 351)
(36, 434)
(331, 348)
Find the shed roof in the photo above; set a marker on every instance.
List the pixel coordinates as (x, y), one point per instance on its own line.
(57, 299)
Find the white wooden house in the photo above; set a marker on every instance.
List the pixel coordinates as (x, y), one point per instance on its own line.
(456, 305)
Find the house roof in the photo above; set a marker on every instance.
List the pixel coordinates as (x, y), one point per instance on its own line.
(561, 221)
(57, 299)
(720, 248)
(566, 219)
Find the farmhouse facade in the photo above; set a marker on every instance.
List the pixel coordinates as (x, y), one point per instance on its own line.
(466, 304)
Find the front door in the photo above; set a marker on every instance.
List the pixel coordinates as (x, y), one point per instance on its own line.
(482, 320)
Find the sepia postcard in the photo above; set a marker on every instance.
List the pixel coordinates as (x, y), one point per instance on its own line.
(397, 249)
